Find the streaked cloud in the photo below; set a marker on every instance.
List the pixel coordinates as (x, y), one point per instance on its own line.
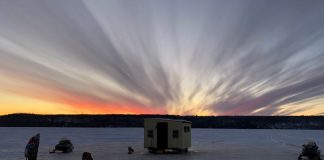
(179, 57)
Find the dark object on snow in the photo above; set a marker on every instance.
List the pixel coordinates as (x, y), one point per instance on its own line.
(64, 145)
(86, 156)
(310, 150)
(130, 150)
(31, 149)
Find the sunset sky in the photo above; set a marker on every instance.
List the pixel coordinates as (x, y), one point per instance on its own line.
(187, 57)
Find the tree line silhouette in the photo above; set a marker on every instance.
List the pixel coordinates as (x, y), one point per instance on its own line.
(230, 122)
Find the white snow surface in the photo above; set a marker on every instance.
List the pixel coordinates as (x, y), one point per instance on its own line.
(112, 143)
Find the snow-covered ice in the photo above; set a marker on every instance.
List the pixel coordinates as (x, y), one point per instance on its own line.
(112, 143)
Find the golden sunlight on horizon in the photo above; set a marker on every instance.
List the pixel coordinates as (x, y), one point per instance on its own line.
(13, 103)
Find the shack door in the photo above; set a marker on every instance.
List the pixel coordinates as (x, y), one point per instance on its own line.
(162, 135)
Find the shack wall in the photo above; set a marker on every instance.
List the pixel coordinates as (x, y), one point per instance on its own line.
(181, 140)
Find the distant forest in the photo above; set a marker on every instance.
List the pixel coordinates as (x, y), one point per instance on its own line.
(238, 122)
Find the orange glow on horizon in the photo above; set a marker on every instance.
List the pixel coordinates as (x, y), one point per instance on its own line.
(12, 103)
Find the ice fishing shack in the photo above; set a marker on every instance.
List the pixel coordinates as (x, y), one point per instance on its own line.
(167, 134)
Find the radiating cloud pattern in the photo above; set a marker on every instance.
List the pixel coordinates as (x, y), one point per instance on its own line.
(188, 57)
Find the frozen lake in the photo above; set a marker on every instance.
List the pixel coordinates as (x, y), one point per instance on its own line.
(112, 143)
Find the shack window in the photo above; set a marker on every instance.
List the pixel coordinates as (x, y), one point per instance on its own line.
(175, 134)
(150, 133)
(186, 129)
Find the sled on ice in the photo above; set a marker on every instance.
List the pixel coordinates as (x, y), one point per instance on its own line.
(65, 145)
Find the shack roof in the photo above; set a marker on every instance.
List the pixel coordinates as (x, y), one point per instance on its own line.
(169, 120)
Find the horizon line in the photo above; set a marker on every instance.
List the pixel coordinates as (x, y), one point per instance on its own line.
(107, 114)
